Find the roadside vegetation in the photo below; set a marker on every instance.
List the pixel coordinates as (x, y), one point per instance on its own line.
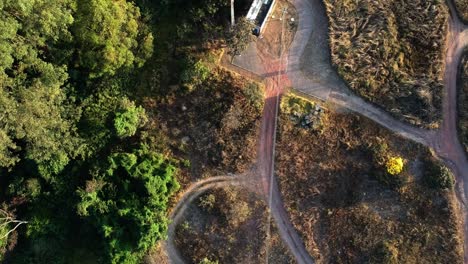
(462, 101)
(462, 9)
(359, 194)
(108, 108)
(213, 127)
(391, 54)
(229, 226)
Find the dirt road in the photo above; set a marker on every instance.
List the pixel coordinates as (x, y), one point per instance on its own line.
(309, 69)
(446, 143)
(310, 72)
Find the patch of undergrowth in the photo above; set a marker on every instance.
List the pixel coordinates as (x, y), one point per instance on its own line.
(391, 54)
(228, 226)
(213, 124)
(304, 113)
(462, 101)
(462, 9)
(360, 194)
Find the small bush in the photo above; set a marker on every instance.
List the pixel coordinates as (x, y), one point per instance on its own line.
(194, 74)
(394, 165)
(254, 95)
(438, 176)
(207, 201)
(304, 113)
(388, 167)
(386, 253)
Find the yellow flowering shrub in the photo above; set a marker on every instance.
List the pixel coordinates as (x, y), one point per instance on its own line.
(394, 165)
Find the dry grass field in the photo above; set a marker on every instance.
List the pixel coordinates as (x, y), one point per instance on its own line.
(213, 127)
(229, 226)
(462, 8)
(359, 194)
(463, 101)
(391, 52)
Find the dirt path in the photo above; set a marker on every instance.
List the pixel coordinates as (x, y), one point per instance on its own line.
(188, 197)
(446, 143)
(310, 72)
(309, 69)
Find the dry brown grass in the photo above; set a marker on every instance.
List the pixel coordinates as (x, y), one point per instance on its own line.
(228, 225)
(214, 126)
(391, 52)
(345, 205)
(463, 101)
(462, 9)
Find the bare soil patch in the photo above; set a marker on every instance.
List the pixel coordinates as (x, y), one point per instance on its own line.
(336, 184)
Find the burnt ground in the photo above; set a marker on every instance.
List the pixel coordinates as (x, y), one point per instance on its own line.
(228, 225)
(213, 127)
(345, 205)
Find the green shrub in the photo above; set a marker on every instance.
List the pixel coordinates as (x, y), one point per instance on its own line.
(127, 201)
(194, 74)
(438, 176)
(254, 95)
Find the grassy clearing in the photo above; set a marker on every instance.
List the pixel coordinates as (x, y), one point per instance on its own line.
(391, 53)
(462, 9)
(359, 194)
(228, 225)
(463, 101)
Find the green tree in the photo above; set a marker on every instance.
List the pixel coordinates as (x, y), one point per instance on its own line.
(33, 99)
(129, 119)
(111, 35)
(127, 201)
(240, 36)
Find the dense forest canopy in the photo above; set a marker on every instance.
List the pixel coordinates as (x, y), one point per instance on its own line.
(75, 162)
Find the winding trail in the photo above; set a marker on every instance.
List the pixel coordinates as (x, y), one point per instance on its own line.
(308, 69)
(447, 144)
(188, 197)
(311, 73)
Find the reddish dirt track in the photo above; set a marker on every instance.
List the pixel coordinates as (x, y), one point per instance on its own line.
(275, 84)
(444, 141)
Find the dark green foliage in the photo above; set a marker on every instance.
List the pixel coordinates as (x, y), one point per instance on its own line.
(194, 73)
(438, 176)
(111, 36)
(128, 119)
(68, 74)
(127, 200)
(36, 110)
